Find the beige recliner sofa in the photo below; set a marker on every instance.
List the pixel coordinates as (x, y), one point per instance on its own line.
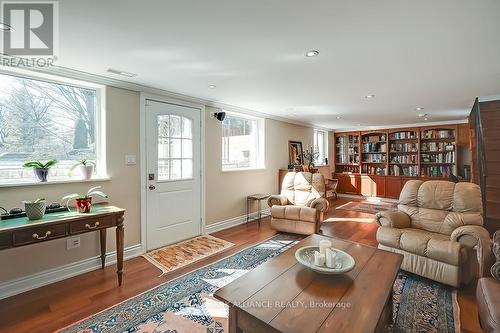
(300, 206)
(436, 228)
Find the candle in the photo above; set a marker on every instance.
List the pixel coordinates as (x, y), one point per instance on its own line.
(319, 259)
(330, 257)
(323, 245)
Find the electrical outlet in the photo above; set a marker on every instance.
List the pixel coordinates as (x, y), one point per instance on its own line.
(72, 243)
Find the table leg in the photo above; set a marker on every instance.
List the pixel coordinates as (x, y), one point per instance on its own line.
(103, 247)
(119, 249)
(260, 211)
(247, 211)
(233, 320)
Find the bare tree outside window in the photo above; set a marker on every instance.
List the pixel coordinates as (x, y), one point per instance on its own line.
(44, 120)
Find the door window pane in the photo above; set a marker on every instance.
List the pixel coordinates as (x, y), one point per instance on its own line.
(175, 147)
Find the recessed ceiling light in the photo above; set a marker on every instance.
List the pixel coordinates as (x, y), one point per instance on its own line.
(370, 96)
(426, 118)
(422, 115)
(312, 53)
(120, 72)
(419, 108)
(6, 27)
(339, 117)
(212, 86)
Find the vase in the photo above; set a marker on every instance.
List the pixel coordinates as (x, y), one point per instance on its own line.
(35, 210)
(86, 171)
(41, 173)
(83, 205)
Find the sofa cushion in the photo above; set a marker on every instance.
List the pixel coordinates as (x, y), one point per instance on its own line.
(488, 304)
(423, 243)
(296, 213)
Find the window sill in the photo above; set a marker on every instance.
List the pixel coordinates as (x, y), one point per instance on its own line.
(30, 182)
(243, 169)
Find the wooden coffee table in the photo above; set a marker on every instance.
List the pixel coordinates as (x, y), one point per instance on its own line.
(281, 295)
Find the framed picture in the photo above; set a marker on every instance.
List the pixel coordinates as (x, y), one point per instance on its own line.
(295, 153)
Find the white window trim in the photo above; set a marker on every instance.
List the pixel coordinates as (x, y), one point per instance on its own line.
(100, 128)
(325, 144)
(261, 143)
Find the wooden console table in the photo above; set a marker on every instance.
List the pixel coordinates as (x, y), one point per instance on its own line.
(21, 231)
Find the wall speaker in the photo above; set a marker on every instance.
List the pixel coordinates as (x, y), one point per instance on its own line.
(219, 115)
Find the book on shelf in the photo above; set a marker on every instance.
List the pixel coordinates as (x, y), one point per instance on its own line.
(438, 134)
(403, 135)
(374, 147)
(404, 159)
(403, 147)
(448, 157)
(437, 146)
(437, 171)
(374, 158)
(408, 171)
(373, 170)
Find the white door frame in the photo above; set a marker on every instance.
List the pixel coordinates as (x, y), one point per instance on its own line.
(143, 168)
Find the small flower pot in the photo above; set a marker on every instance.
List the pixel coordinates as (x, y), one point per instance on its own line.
(86, 171)
(41, 173)
(35, 210)
(83, 205)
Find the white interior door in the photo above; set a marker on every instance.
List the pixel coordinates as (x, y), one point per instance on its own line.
(173, 150)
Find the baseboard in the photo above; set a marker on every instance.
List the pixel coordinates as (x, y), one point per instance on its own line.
(218, 226)
(26, 283)
(359, 196)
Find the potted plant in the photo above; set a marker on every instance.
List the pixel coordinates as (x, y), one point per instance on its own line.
(40, 169)
(83, 202)
(310, 155)
(35, 209)
(85, 168)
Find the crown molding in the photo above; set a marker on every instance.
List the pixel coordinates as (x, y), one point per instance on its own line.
(426, 124)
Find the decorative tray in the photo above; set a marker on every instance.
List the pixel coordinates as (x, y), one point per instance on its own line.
(344, 261)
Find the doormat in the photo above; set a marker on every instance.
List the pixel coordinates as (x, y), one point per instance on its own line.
(367, 206)
(175, 256)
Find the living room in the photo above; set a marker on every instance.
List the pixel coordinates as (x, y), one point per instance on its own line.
(234, 166)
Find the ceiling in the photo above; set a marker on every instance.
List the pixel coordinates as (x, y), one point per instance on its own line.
(438, 55)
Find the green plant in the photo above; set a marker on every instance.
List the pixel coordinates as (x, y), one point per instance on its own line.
(39, 165)
(92, 191)
(310, 155)
(82, 162)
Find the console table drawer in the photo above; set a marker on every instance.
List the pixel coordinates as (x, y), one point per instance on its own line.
(40, 234)
(91, 224)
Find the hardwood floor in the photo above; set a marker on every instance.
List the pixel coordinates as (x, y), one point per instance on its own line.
(60, 304)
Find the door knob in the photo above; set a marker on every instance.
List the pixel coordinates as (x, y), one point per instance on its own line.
(152, 187)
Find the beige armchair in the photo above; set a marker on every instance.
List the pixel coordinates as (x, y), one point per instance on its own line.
(436, 228)
(300, 207)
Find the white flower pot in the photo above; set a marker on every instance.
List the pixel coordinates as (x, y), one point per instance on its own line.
(86, 171)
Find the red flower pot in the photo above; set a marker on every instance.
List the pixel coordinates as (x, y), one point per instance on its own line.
(83, 204)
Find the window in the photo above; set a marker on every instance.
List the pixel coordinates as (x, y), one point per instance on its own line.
(320, 145)
(175, 147)
(242, 142)
(42, 120)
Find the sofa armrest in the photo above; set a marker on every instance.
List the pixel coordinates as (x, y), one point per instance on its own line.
(277, 199)
(470, 235)
(320, 204)
(393, 219)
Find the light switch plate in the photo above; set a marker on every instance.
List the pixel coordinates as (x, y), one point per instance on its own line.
(130, 160)
(72, 243)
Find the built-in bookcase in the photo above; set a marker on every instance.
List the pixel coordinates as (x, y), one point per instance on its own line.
(403, 152)
(438, 151)
(429, 152)
(374, 153)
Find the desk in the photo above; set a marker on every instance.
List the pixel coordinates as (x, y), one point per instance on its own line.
(21, 231)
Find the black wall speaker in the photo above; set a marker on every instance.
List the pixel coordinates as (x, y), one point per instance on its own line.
(220, 116)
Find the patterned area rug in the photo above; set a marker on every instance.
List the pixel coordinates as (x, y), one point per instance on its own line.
(184, 305)
(423, 305)
(367, 206)
(172, 257)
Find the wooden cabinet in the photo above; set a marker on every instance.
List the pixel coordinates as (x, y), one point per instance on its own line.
(393, 186)
(463, 135)
(349, 183)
